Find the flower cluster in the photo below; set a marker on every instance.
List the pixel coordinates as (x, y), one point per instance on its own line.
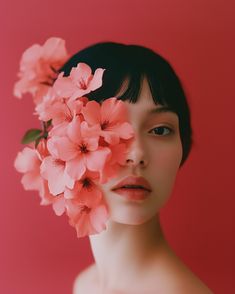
(82, 143)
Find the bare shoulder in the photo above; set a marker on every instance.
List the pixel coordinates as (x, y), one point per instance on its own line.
(85, 281)
(187, 282)
(177, 278)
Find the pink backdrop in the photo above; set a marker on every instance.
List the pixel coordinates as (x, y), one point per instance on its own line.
(39, 252)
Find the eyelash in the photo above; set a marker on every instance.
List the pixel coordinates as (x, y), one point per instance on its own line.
(171, 131)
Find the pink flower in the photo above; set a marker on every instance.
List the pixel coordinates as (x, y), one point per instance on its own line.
(79, 83)
(111, 116)
(79, 149)
(86, 190)
(39, 68)
(28, 162)
(58, 109)
(54, 170)
(84, 205)
(87, 219)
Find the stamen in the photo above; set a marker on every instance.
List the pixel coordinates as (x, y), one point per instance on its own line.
(104, 124)
(86, 183)
(82, 84)
(59, 162)
(83, 148)
(85, 209)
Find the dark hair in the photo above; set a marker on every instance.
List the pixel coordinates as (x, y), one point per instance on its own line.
(134, 62)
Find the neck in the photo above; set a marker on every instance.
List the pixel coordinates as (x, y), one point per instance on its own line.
(122, 251)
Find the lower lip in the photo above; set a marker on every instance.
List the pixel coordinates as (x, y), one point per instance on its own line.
(133, 194)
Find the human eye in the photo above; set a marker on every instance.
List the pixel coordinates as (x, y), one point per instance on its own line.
(161, 129)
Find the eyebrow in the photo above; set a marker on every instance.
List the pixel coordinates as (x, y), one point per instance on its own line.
(162, 109)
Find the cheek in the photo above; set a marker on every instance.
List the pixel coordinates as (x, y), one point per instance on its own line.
(164, 167)
(166, 156)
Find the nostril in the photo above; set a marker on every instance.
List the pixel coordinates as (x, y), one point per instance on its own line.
(129, 160)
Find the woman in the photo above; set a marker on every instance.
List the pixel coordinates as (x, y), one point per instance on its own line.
(132, 254)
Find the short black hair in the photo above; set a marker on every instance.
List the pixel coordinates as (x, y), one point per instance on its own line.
(134, 62)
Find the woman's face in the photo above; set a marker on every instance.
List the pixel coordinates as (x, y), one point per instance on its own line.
(155, 154)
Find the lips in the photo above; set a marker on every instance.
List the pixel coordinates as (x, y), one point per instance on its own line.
(133, 182)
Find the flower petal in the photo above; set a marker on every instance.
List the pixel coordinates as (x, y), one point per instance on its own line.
(32, 181)
(96, 81)
(59, 205)
(62, 148)
(76, 167)
(91, 112)
(99, 217)
(73, 130)
(81, 73)
(95, 160)
(54, 49)
(27, 160)
(64, 87)
(113, 110)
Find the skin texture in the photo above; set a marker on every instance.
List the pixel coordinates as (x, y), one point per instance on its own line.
(132, 254)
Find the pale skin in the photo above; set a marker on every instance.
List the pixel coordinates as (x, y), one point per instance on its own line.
(132, 255)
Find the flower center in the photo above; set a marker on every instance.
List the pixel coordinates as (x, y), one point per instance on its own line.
(68, 113)
(86, 183)
(82, 85)
(83, 148)
(85, 209)
(104, 124)
(59, 162)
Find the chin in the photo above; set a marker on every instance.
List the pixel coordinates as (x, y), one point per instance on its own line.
(128, 217)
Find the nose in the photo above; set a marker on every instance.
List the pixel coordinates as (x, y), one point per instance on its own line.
(136, 154)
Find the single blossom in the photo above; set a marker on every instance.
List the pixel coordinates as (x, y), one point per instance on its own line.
(28, 162)
(86, 190)
(54, 170)
(80, 82)
(87, 219)
(39, 67)
(112, 118)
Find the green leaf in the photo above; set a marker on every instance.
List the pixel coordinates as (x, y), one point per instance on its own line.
(31, 135)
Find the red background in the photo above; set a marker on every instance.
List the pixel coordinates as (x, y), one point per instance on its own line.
(39, 252)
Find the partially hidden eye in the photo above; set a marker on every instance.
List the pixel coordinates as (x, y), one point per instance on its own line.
(161, 131)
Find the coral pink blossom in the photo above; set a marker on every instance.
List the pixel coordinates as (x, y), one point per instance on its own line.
(111, 116)
(79, 149)
(87, 220)
(86, 190)
(54, 170)
(80, 82)
(39, 68)
(58, 109)
(28, 162)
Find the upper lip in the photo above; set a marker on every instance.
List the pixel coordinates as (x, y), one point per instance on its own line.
(135, 181)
